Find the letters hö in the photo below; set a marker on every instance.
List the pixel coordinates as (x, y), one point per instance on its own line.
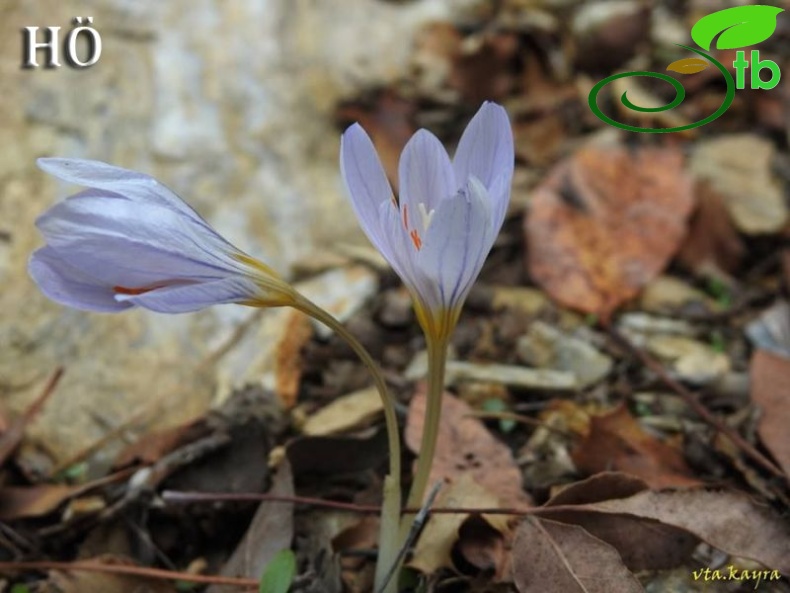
(83, 26)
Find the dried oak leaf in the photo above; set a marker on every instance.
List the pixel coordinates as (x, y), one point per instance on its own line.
(605, 222)
(617, 442)
(83, 581)
(769, 377)
(712, 246)
(433, 549)
(729, 521)
(550, 557)
(466, 447)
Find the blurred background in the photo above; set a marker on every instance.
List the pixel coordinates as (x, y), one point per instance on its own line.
(238, 106)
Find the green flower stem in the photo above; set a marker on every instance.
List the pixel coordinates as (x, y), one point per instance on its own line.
(389, 537)
(437, 360)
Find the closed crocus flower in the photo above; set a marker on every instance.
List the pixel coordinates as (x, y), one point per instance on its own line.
(437, 235)
(129, 241)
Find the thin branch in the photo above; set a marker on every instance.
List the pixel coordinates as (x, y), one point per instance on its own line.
(692, 401)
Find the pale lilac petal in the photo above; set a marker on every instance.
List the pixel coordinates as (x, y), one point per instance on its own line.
(128, 245)
(366, 182)
(121, 183)
(193, 297)
(70, 286)
(425, 174)
(485, 151)
(458, 242)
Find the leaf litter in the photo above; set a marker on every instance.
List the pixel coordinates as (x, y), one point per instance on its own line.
(605, 480)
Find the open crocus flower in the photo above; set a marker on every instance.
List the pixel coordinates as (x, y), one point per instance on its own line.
(128, 240)
(437, 235)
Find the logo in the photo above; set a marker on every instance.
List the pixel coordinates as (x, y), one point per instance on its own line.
(732, 28)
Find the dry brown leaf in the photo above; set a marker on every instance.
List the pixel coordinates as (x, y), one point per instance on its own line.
(605, 222)
(433, 549)
(270, 531)
(483, 67)
(729, 521)
(617, 442)
(550, 557)
(770, 374)
(643, 544)
(83, 581)
(18, 502)
(712, 246)
(466, 447)
(288, 360)
(484, 548)
(602, 486)
(151, 447)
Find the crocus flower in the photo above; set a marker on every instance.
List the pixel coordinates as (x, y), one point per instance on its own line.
(437, 235)
(128, 241)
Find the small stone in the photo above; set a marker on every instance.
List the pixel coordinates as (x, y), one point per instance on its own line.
(546, 347)
(349, 412)
(691, 360)
(667, 293)
(396, 309)
(526, 300)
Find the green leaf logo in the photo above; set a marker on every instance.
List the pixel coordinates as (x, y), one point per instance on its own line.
(740, 26)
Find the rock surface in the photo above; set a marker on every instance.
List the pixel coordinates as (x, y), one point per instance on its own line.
(229, 104)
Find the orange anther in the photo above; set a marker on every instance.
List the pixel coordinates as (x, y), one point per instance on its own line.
(415, 238)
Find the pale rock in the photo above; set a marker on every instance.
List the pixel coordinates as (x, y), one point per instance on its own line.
(690, 359)
(231, 104)
(349, 412)
(668, 293)
(546, 347)
(739, 168)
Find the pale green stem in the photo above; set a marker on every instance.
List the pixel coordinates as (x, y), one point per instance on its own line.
(389, 538)
(437, 358)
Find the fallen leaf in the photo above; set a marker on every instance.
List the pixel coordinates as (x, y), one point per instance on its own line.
(712, 246)
(434, 547)
(617, 442)
(729, 521)
(353, 411)
(18, 502)
(83, 581)
(770, 374)
(605, 222)
(484, 548)
(643, 544)
(270, 532)
(601, 486)
(483, 67)
(465, 447)
(739, 168)
(288, 360)
(550, 557)
(151, 447)
(688, 66)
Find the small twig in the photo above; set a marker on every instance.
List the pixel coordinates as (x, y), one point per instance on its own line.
(691, 400)
(142, 571)
(523, 420)
(414, 531)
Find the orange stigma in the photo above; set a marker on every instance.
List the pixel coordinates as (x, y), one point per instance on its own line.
(132, 291)
(415, 238)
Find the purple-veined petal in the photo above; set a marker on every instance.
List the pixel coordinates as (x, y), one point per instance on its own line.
(458, 242)
(366, 182)
(70, 286)
(426, 176)
(126, 244)
(121, 183)
(485, 150)
(193, 297)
